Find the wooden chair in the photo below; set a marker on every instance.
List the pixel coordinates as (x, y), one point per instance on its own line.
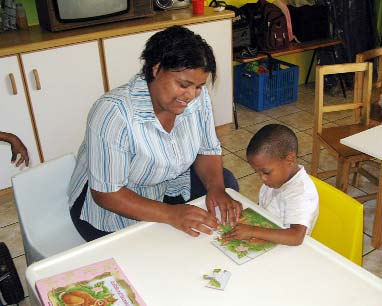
(374, 56)
(340, 223)
(330, 137)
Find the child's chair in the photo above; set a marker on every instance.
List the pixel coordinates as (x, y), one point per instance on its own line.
(340, 222)
(42, 206)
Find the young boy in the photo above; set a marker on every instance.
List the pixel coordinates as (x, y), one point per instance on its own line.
(288, 193)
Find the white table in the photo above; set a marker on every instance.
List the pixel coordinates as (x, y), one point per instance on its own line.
(166, 266)
(370, 143)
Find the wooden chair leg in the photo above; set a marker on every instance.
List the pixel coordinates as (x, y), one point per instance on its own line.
(342, 178)
(356, 175)
(376, 240)
(315, 156)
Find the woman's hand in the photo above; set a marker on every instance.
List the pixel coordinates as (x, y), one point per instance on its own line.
(192, 220)
(229, 208)
(240, 232)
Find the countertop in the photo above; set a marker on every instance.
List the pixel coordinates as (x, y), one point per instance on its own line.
(37, 38)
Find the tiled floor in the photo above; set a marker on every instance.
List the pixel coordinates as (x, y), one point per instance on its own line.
(298, 116)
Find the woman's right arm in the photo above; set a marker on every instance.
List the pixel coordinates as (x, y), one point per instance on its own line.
(187, 218)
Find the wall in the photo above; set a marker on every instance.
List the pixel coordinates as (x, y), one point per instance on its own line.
(30, 7)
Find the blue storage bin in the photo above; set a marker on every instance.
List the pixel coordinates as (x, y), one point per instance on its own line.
(260, 92)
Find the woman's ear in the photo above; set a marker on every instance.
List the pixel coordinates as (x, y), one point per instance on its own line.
(156, 70)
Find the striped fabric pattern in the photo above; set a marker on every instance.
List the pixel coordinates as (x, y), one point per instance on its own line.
(126, 146)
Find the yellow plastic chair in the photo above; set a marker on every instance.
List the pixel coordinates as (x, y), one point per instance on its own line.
(340, 222)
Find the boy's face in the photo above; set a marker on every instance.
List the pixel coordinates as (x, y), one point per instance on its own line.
(273, 171)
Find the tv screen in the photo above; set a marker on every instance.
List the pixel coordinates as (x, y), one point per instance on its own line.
(75, 10)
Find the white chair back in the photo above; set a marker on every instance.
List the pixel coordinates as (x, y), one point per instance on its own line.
(43, 209)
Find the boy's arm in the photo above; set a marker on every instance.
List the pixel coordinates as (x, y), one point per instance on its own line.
(290, 236)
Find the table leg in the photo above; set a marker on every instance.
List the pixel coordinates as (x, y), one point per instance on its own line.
(376, 240)
(310, 66)
(235, 115)
(343, 171)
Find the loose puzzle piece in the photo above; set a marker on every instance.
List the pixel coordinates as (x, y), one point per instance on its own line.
(218, 279)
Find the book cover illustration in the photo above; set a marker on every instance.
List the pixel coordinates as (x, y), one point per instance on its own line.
(100, 284)
(241, 251)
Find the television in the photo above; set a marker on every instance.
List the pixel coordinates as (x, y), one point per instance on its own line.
(58, 15)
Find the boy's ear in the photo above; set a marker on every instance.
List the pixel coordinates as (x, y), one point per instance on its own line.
(291, 157)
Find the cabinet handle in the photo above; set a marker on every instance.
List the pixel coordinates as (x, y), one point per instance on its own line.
(37, 78)
(13, 83)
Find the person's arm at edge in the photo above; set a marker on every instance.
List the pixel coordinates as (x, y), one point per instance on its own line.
(17, 147)
(131, 205)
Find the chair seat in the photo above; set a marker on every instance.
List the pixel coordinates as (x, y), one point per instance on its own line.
(331, 136)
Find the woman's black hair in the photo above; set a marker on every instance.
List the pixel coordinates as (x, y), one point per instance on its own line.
(177, 48)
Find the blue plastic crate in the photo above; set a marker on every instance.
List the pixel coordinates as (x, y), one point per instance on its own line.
(260, 92)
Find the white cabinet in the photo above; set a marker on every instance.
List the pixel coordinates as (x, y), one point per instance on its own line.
(14, 118)
(122, 62)
(63, 83)
(122, 55)
(218, 35)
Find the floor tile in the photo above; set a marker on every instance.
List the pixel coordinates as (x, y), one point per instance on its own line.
(373, 262)
(281, 111)
(368, 216)
(367, 248)
(26, 302)
(304, 143)
(250, 187)
(301, 120)
(225, 151)
(246, 116)
(239, 167)
(235, 140)
(327, 161)
(352, 191)
(242, 154)
(6, 196)
(21, 266)
(256, 127)
(11, 236)
(8, 214)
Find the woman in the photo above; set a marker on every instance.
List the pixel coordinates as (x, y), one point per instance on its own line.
(151, 143)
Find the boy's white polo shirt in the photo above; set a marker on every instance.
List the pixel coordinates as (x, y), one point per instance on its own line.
(295, 202)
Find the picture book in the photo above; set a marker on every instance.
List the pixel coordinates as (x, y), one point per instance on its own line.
(99, 284)
(241, 251)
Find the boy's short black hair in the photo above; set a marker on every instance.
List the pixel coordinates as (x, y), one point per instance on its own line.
(275, 140)
(177, 48)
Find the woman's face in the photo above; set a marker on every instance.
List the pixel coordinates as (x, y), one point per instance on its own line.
(171, 91)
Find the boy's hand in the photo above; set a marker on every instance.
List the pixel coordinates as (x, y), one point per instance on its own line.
(228, 207)
(240, 232)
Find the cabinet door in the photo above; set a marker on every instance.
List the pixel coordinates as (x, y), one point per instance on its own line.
(122, 62)
(218, 35)
(122, 56)
(63, 84)
(14, 118)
